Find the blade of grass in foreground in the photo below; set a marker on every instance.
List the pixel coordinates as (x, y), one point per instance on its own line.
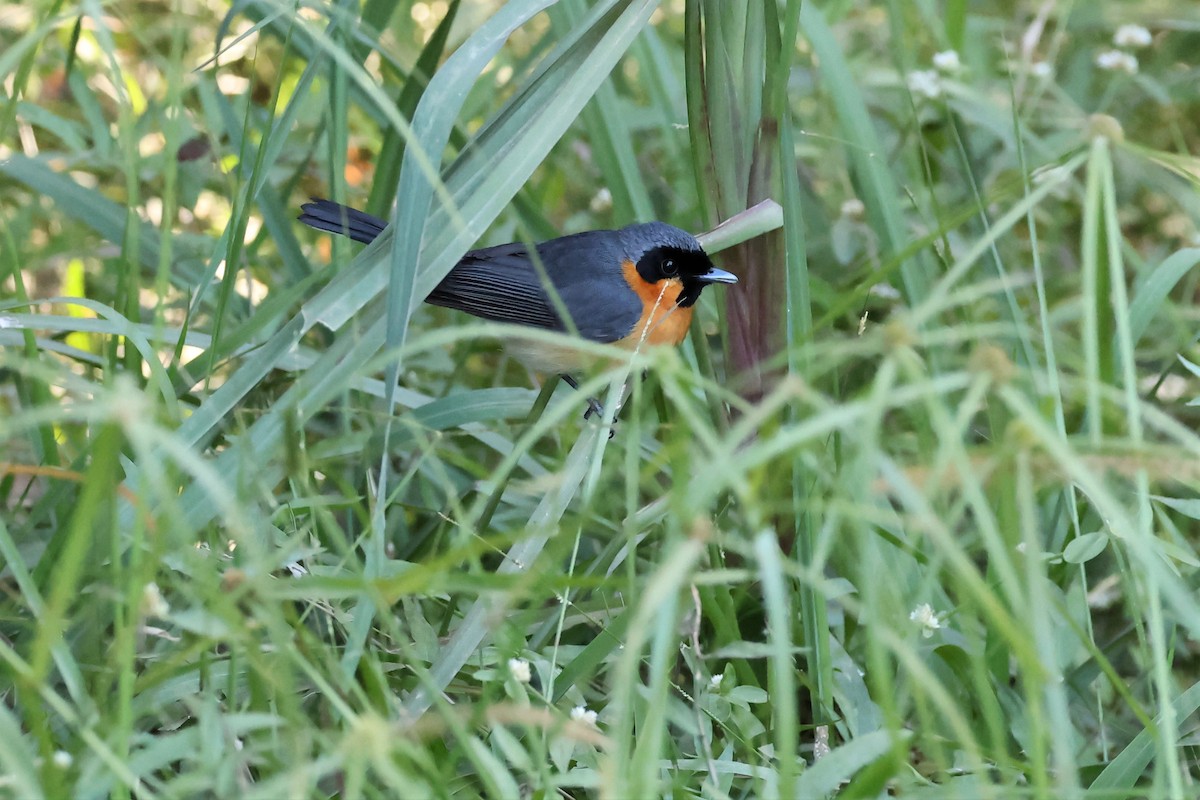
(1127, 769)
(782, 681)
(1161, 632)
(635, 766)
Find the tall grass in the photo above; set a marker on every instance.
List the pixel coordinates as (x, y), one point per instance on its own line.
(913, 512)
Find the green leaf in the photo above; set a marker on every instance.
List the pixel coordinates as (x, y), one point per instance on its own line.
(841, 764)
(1189, 508)
(17, 759)
(1127, 769)
(1153, 291)
(1084, 548)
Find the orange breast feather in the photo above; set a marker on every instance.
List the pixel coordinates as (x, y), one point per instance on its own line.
(662, 322)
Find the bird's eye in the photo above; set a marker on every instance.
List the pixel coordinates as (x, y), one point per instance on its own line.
(668, 267)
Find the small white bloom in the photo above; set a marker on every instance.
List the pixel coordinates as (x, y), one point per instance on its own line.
(925, 82)
(821, 742)
(853, 208)
(62, 759)
(1041, 69)
(1117, 61)
(519, 669)
(947, 61)
(926, 618)
(715, 681)
(1132, 36)
(602, 201)
(153, 604)
(585, 715)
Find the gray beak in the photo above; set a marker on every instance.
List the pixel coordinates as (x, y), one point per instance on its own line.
(715, 275)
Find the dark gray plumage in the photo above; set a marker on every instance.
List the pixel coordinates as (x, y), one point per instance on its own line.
(504, 284)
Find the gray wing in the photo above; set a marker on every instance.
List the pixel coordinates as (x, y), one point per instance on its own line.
(498, 284)
(502, 284)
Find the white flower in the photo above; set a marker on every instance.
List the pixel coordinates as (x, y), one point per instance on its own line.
(715, 681)
(1115, 60)
(602, 201)
(1041, 69)
(926, 618)
(853, 208)
(585, 715)
(1132, 36)
(62, 759)
(925, 82)
(519, 669)
(153, 604)
(947, 61)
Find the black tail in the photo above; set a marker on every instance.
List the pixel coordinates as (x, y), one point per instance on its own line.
(326, 215)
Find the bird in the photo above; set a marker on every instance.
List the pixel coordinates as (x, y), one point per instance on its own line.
(630, 287)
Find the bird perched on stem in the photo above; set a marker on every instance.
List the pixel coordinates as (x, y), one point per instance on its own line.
(632, 287)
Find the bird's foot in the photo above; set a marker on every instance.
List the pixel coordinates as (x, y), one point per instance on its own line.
(594, 408)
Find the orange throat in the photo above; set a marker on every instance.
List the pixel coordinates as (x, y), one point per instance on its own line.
(662, 322)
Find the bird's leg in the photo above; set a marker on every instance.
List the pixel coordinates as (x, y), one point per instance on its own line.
(594, 406)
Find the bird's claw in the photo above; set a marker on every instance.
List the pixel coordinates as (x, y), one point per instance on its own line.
(596, 410)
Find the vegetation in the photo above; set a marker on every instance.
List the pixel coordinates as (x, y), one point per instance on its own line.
(912, 513)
